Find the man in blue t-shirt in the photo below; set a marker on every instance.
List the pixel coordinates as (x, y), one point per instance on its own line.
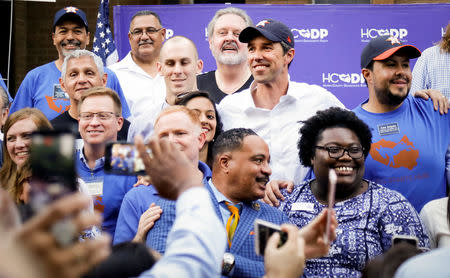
(410, 139)
(41, 88)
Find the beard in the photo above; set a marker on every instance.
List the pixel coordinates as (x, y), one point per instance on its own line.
(66, 52)
(386, 97)
(229, 58)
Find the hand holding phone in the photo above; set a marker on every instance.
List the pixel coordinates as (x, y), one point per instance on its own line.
(263, 231)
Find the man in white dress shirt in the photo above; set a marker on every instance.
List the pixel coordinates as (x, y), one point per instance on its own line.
(274, 105)
(137, 72)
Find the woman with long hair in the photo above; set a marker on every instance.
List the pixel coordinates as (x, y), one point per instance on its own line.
(16, 144)
(201, 102)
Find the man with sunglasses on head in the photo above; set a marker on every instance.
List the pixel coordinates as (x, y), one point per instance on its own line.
(137, 72)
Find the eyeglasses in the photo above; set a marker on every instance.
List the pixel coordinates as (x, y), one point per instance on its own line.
(102, 116)
(149, 31)
(338, 152)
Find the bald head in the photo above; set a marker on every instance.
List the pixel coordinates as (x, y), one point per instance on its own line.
(179, 64)
(188, 45)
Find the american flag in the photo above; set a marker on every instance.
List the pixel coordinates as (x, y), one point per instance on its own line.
(104, 45)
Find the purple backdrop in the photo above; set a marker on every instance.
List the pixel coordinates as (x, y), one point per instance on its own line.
(328, 38)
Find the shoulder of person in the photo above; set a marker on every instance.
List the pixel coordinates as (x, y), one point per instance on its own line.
(40, 70)
(120, 64)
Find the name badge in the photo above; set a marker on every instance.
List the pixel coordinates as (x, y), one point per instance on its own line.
(95, 188)
(388, 129)
(58, 92)
(303, 206)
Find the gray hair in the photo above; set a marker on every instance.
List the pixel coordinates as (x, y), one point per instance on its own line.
(81, 53)
(230, 10)
(145, 12)
(4, 97)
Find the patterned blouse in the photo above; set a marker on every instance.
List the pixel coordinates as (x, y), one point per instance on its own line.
(366, 225)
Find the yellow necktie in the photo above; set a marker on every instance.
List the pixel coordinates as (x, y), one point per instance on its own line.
(232, 221)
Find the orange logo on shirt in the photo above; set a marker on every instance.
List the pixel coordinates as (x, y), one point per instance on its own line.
(52, 105)
(395, 155)
(98, 204)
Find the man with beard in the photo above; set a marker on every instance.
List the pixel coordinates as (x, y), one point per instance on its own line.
(138, 72)
(410, 139)
(232, 74)
(41, 88)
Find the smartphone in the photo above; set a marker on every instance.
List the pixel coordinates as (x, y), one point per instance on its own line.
(52, 165)
(332, 179)
(263, 231)
(122, 158)
(405, 238)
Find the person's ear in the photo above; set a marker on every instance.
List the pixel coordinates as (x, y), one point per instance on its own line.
(201, 140)
(104, 79)
(199, 66)
(224, 161)
(289, 56)
(367, 74)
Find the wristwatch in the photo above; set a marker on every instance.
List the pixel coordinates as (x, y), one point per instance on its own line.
(227, 263)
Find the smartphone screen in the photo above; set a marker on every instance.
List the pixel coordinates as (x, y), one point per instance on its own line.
(52, 166)
(396, 239)
(263, 231)
(122, 158)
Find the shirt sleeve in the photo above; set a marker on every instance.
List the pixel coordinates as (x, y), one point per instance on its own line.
(400, 218)
(196, 243)
(420, 78)
(3, 85)
(23, 97)
(245, 267)
(447, 167)
(113, 83)
(128, 220)
(428, 223)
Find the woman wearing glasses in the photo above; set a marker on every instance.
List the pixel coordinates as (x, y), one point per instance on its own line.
(368, 214)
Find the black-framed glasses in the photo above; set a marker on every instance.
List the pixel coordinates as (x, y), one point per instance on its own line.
(338, 152)
(149, 31)
(102, 116)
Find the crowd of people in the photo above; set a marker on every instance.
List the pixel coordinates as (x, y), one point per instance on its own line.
(224, 148)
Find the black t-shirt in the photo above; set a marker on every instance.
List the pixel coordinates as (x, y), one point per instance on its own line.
(65, 121)
(207, 82)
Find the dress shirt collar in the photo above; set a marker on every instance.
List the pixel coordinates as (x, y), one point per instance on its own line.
(221, 199)
(99, 163)
(289, 96)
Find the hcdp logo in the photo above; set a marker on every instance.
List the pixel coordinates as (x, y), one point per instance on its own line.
(370, 33)
(342, 79)
(309, 34)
